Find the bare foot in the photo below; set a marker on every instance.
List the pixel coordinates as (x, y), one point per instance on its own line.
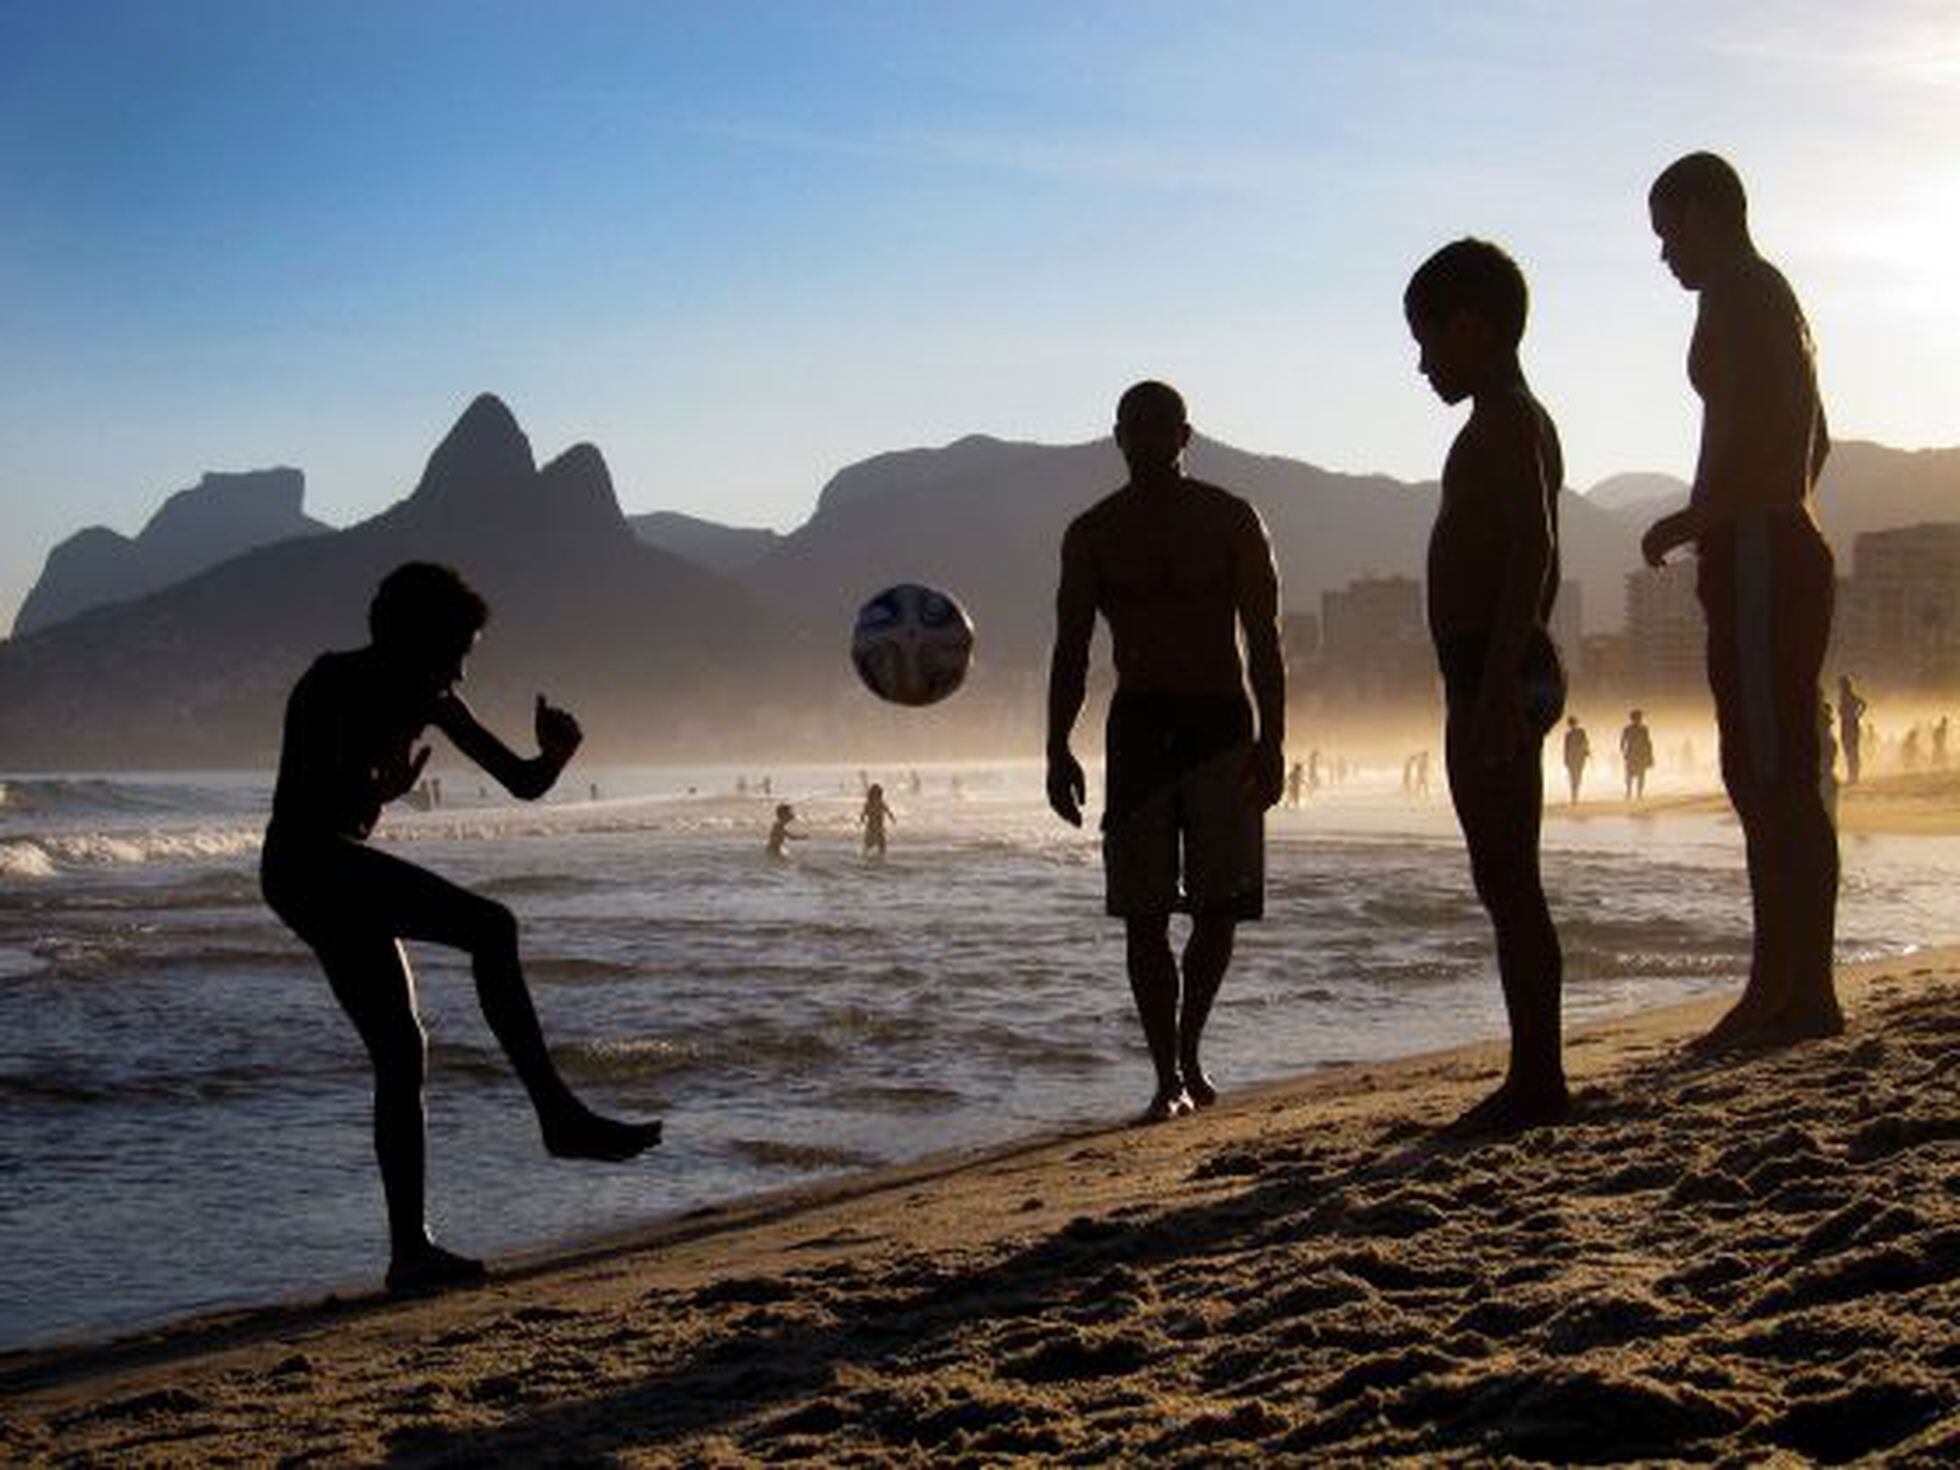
(1740, 1024)
(584, 1134)
(430, 1268)
(1170, 1102)
(1811, 1018)
(1514, 1108)
(1199, 1086)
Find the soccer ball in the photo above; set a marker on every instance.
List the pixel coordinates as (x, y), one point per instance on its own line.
(912, 644)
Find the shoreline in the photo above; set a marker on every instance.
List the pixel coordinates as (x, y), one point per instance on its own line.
(1024, 1290)
(1899, 804)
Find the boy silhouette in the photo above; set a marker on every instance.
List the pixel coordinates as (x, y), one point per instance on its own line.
(1493, 575)
(1180, 570)
(352, 723)
(1578, 750)
(1765, 581)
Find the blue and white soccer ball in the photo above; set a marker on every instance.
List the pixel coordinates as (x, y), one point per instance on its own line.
(912, 645)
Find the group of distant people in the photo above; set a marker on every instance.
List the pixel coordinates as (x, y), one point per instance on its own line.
(1183, 573)
(1636, 754)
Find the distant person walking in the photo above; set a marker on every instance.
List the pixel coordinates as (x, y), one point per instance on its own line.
(1636, 753)
(1181, 571)
(780, 835)
(1851, 709)
(1578, 750)
(1765, 583)
(351, 729)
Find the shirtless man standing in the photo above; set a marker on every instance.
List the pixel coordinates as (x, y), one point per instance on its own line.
(1765, 581)
(1493, 576)
(1178, 568)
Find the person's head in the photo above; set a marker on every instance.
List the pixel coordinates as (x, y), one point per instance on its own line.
(1700, 213)
(784, 811)
(425, 620)
(1571, 722)
(1152, 428)
(876, 793)
(1466, 308)
(1634, 715)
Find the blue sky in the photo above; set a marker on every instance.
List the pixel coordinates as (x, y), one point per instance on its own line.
(741, 245)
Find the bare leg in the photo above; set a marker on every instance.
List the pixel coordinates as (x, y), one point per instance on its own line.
(1153, 983)
(372, 981)
(1207, 954)
(1500, 810)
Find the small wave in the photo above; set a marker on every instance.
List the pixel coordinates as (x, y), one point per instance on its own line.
(25, 860)
(46, 854)
(86, 795)
(782, 1154)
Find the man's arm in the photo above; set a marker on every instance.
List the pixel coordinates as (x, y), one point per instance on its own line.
(1068, 675)
(1258, 609)
(558, 737)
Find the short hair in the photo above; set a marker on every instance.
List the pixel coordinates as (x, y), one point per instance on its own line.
(1475, 276)
(420, 598)
(1150, 399)
(1706, 179)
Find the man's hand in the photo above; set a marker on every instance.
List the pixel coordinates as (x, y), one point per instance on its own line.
(1264, 781)
(1497, 723)
(1666, 534)
(558, 733)
(398, 772)
(1067, 787)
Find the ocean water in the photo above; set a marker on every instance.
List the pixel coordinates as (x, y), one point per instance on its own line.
(185, 1118)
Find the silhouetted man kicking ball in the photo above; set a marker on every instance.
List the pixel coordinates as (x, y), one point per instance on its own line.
(352, 724)
(1765, 580)
(1179, 569)
(1493, 576)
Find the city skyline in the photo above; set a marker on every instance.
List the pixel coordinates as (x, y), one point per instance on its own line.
(743, 246)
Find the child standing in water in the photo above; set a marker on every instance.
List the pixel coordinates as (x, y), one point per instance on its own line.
(779, 833)
(1493, 574)
(873, 819)
(350, 748)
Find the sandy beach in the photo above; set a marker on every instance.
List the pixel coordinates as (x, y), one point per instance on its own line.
(1908, 804)
(1713, 1262)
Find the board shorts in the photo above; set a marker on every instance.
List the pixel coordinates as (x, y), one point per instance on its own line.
(1460, 659)
(1766, 583)
(1179, 829)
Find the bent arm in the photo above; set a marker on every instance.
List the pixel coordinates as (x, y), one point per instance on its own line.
(526, 778)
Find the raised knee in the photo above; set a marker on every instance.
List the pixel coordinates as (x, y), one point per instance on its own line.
(496, 928)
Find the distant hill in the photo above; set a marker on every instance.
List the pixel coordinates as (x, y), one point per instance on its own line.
(706, 543)
(1864, 487)
(1647, 495)
(983, 518)
(197, 673)
(220, 516)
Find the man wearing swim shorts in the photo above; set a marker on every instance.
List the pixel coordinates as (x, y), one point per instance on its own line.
(1179, 569)
(1765, 581)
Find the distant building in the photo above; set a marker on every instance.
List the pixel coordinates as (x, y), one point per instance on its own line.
(1374, 641)
(1898, 615)
(1666, 635)
(1569, 625)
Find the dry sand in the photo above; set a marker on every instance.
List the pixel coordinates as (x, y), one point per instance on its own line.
(1732, 1262)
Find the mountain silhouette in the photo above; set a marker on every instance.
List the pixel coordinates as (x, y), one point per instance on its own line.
(638, 642)
(712, 545)
(220, 516)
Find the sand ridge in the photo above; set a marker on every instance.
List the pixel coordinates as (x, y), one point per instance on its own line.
(1711, 1262)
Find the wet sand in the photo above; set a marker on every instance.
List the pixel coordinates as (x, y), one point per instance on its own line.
(1725, 1262)
(1910, 804)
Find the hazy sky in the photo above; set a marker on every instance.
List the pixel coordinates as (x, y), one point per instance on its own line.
(741, 245)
